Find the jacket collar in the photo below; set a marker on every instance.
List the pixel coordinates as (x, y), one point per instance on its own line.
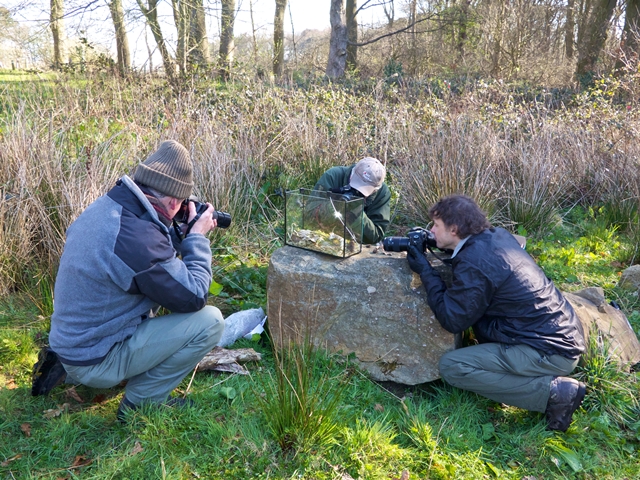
(129, 195)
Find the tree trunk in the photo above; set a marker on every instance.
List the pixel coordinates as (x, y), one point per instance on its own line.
(122, 43)
(180, 18)
(595, 36)
(569, 28)
(225, 54)
(497, 40)
(57, 31)
(198, 41)
(278, 38)
(352, 34)
(253, 34)
(413, 17)
(151, 16)
(338, 43)
(390, 13)
(630, 48)
(462, 32)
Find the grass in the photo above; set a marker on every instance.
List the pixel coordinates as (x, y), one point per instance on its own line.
(375, 431)
(546, 172)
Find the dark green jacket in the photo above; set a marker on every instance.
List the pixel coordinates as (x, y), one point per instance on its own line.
(377, 211)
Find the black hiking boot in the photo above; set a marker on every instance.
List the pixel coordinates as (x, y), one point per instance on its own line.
(565, 396)
(171, 402)
(48, 372)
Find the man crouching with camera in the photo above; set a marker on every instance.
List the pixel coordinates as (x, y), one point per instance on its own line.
(529, 336)
(120, 263)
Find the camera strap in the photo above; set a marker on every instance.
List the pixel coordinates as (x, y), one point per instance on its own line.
(191, 223)
(178, 231)
(445, 261)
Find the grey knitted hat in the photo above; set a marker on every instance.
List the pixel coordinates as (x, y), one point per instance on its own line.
(167, 170)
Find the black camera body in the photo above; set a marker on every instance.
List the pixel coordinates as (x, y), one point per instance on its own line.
(223, 218)
(418, 236)
(347, 193)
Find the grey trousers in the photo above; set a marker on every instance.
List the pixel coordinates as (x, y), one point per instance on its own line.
(517, 375)
(155, 359)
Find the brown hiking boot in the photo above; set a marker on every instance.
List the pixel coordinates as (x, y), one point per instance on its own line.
(565, 396)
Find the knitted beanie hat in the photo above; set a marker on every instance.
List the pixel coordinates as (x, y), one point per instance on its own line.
(167, 170)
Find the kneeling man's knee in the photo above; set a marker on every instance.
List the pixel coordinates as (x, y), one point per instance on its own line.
(212, 323)
(452, 367)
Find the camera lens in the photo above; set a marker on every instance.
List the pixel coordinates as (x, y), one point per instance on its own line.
(223, 218)
(395, 244)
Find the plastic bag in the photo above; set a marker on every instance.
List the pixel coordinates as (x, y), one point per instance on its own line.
(242, 324)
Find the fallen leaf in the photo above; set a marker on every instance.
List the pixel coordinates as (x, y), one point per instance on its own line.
(9, 460)
(26, 429)
(101, 397)
(378, 408)
(10, 384)
(81, 461)
(71, 392)
(55, 412)
(137, 448)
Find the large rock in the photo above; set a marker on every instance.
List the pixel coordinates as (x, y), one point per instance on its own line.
(630, 278)
(369, 304)
(608, 323)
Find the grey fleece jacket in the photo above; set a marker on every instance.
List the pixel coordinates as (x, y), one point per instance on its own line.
(119, 263)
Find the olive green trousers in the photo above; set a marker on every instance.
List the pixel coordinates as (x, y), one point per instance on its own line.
(517, 375)
(155, 359)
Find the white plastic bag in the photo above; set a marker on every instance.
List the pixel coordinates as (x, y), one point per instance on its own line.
(242, 324)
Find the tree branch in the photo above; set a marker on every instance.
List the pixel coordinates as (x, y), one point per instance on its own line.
(401, 30)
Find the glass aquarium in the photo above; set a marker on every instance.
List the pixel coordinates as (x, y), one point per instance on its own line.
(324, 222)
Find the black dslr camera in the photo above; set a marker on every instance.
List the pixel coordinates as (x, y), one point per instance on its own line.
(347, 193)
(418, 236)
(223, 218)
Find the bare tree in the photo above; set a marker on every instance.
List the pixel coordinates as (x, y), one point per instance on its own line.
(181, 19)
(338, 43)
(192, 45)
(198, 53)
(630, 48)
(352, 34)
(225, 53)
(569, 29)
(413, 16)
(463, 21)
(57, 31)
(150, 12)
(597, 16)
(389, 12)
(278, 38)
(122, 43)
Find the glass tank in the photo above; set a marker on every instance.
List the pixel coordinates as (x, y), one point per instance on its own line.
(324, 222)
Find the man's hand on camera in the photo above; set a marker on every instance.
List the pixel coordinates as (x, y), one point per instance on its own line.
(417, 260)
(205, 223)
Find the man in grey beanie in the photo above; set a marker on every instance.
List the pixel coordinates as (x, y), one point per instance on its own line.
(121, 262)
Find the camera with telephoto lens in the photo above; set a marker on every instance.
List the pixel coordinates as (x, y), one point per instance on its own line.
(223, 218)
(418, 236)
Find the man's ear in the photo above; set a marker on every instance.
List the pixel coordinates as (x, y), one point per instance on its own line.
(454, 230)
